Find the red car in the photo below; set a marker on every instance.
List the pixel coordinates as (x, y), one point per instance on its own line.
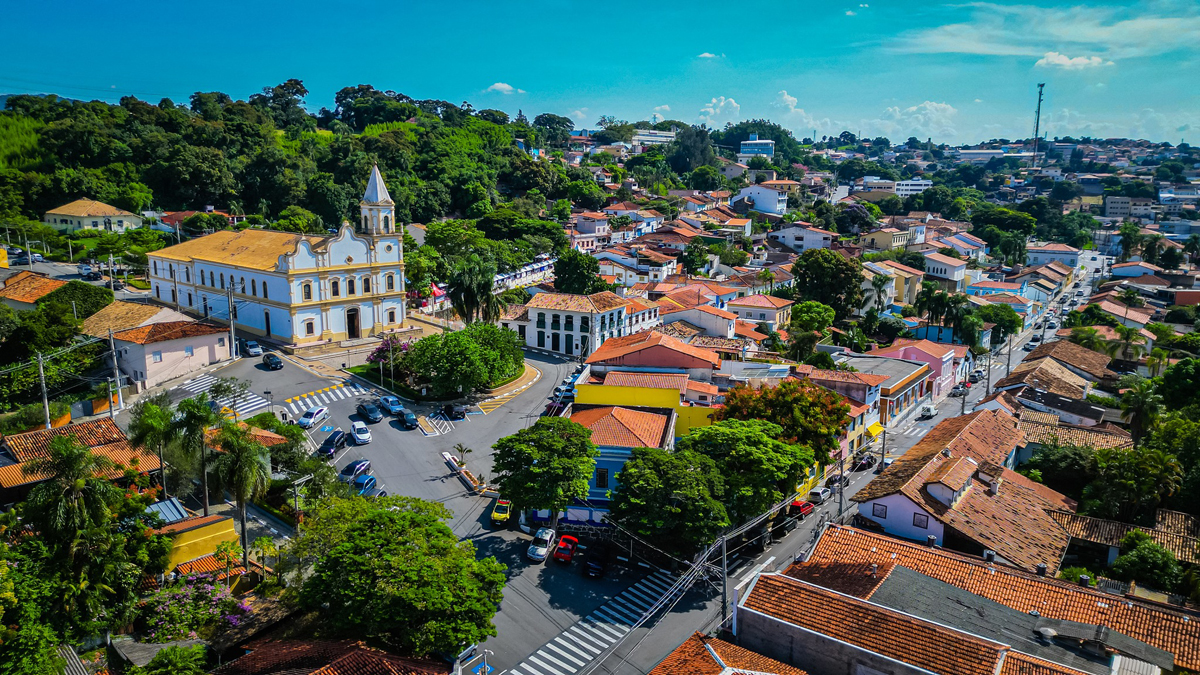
(802, 508)
(567, 546)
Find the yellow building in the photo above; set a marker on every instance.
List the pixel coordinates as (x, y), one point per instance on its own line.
(196, 537)
(886, 239)
(654, 390)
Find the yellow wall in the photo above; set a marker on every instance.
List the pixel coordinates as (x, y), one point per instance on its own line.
(687, 417)
(201, 541)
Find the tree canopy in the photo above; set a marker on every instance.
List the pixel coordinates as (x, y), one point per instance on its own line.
(824, 276)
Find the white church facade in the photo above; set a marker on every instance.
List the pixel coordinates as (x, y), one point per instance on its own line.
(296, 289)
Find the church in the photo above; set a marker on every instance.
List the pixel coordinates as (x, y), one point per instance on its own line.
(296, 289)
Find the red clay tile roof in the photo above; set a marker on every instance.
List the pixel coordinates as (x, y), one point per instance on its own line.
(1111, 532)
(614, 348)
(877, 629)
(1046, 374)
(1045, 432)
(325, 657)
(168, 330)
(945, 259)
(747, 330)
(1016, 663)
(1120, 311)
(869, 379)
(102, 435)
(1006, 400)
(1054, 247)
(190, 523)
(1124, 265)
(768, 301)
(704, 655)
(934, 349)
(29, 288)
(623, 427)
(902, 268)
(1069, 353)
(847, 550)
(87, 208)
(652, 380)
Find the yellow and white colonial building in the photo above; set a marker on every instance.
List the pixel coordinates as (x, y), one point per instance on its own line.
(296, 289)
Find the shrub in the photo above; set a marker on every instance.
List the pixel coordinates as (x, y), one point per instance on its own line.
(195, 607)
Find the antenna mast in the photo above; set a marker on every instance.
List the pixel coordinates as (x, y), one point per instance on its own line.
(1037, 122)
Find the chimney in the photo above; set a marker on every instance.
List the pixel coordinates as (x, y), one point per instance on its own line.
(989, 556)
(931, 541)
(994, 486)
(1085, 580)
(874, 569)
(1041, 569)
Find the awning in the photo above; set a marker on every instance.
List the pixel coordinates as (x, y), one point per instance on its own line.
(875, 429)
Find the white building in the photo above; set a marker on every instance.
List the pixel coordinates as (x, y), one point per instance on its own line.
(575, 325)
(1040, 254)
(907, 188)
(297, 289)
(949, 271)
(764, 198)
(801, 238)
(651, 137)
(89, 214)
(753, 147)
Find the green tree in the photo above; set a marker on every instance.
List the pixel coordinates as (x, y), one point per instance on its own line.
(578, 273)
(401, 576)
(1141, 406)
(84, 299)
(586, 194)
(151, 426)
(1006, 319)
(1130, 482)
(694, 256)
(449, 362)
(691, 149)
(554, 130)
(757, 468)
(1088, 338)
(75, 497)
(670, 498)
(1065, 468)
(808, 415)
(705, 178)
(175, 660)
(823, 276)
(546, 466)
(1143, 560)
(561, 211)
(1127, 344)
(469, 289)
(197, 418)
(244, 469)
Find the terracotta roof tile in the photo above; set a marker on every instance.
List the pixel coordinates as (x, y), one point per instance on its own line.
(623, 427)
(1177, 523)
(945, 259)
(768, 301)
(190, 523)
(615, 348)
(1069, 353)
(594, 303)
(1046, 432)
(925, 644)
(1111, 532)
(703, 655)
(1053, 247)
(1016, 663)
(652, 380)
(168, 330)
(29, 288)
(324, 657)
(1172, 631)
(117, 316)
(35, 444)
(747, 330)
(869, 379)
(679, 329)
(1046, 374)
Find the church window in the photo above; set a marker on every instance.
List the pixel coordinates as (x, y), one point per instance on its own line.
(391, 282)
(309, 327)
(385, 223)
(391, 316)
(222, 281)
(254, 287)
(243, 285)
(264, 289)
(334, 288)
(350, 286)
(307, 291)
(366, 285)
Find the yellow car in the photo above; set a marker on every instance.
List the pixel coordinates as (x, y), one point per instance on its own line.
(501, 512)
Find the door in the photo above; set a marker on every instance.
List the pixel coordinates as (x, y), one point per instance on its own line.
(554, 342)
(267, 321)
(352, 323)
(570, 343)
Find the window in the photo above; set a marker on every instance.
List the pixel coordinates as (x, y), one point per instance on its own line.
(391, 282)
(254, 287)
(391, 316)
(309, 327)
(222, 281)
(385, 223)
(350, 286)
(921, 520)
(306, 291)
(762, 316)
(157, 357)
(212, 281)
(879, 511)
(364, 221)
(189, 299)
(264, 289)
(366, 285)
(157, 294)
(187, 275)
(155, 268)
(243, 285)
(220, 342)
(171, 269)
(174, 298)
(601, 478)
(188, 351)
(335, 288)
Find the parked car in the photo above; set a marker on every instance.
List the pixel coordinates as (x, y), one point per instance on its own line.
(802, 509)
(564, 391)
(391, 404)
(567, 546)
(865, 461)
(253, 348)
(367, 486)
(542, 542)
(92, 275)
(117, 285)
(1051, 324)
(595, 560)
(360, 433)
(454, 411)
(836, 481)
(928, 412)
(1029, 346)
(369, 411)
(1035, 338)
(975, 376)
(1079, 293)
(84, 270)
(272, 362)
(353, 469)
(334, 442)
(959, 389)
(501, 512)
(820, 495)
(408, 419)
(313, 416)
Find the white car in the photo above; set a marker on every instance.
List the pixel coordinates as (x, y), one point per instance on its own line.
(313, 416)
(543, 541)
(253, 348)
(820, 495)
(360, 432)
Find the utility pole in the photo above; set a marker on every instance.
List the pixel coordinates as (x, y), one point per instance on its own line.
(232, 336)
(74, 310)
(112, 409)
(882, 451)
(1037, 124)
(112, 283)
(724, 585)
(1008, 368)
(45, 397)
(988, 388)
(841, 486)
(112, 346)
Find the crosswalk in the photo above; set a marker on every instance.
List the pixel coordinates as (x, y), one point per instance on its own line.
(586, 639)
(245, 405)
(491, 405)
(337, 392)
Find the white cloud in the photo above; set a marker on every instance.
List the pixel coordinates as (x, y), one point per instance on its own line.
(851, 12)
(864, 6)
(719, 110)
(505, 88)
(801, 121)
(1146, 123)
(707, 55)
(662, 108)
(979, 100)
(1110, 33)
(923, 120)
(579, 115)
(1057, 60)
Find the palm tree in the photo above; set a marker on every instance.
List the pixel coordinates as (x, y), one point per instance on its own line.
(1131, 240)
(243, 469)
(879, 284)
(75, 497)
(1192, 246)
(1140, 407)
(151, 426)
(1157, 361)
(924, 299)
(469, 288)
(198, 418)
(1151, 248)
(957, 309)
(1088, 338)
(766, 276)
(1127, 343)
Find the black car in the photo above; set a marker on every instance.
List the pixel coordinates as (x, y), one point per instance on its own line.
(454, 412)
(595, 560)
(370, 412)
(407, 418)
(272, 362)
(865, 461)
(93, 276)
(117, 285)
(353, 469)
(837, 481)
(332, 443)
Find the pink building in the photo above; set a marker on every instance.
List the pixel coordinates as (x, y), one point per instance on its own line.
(153, 354)
(939, 357)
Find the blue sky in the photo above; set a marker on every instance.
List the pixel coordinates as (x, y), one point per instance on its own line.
(956, 72)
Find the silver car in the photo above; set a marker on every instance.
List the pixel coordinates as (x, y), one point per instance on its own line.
(312, 417)
(543, 541)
